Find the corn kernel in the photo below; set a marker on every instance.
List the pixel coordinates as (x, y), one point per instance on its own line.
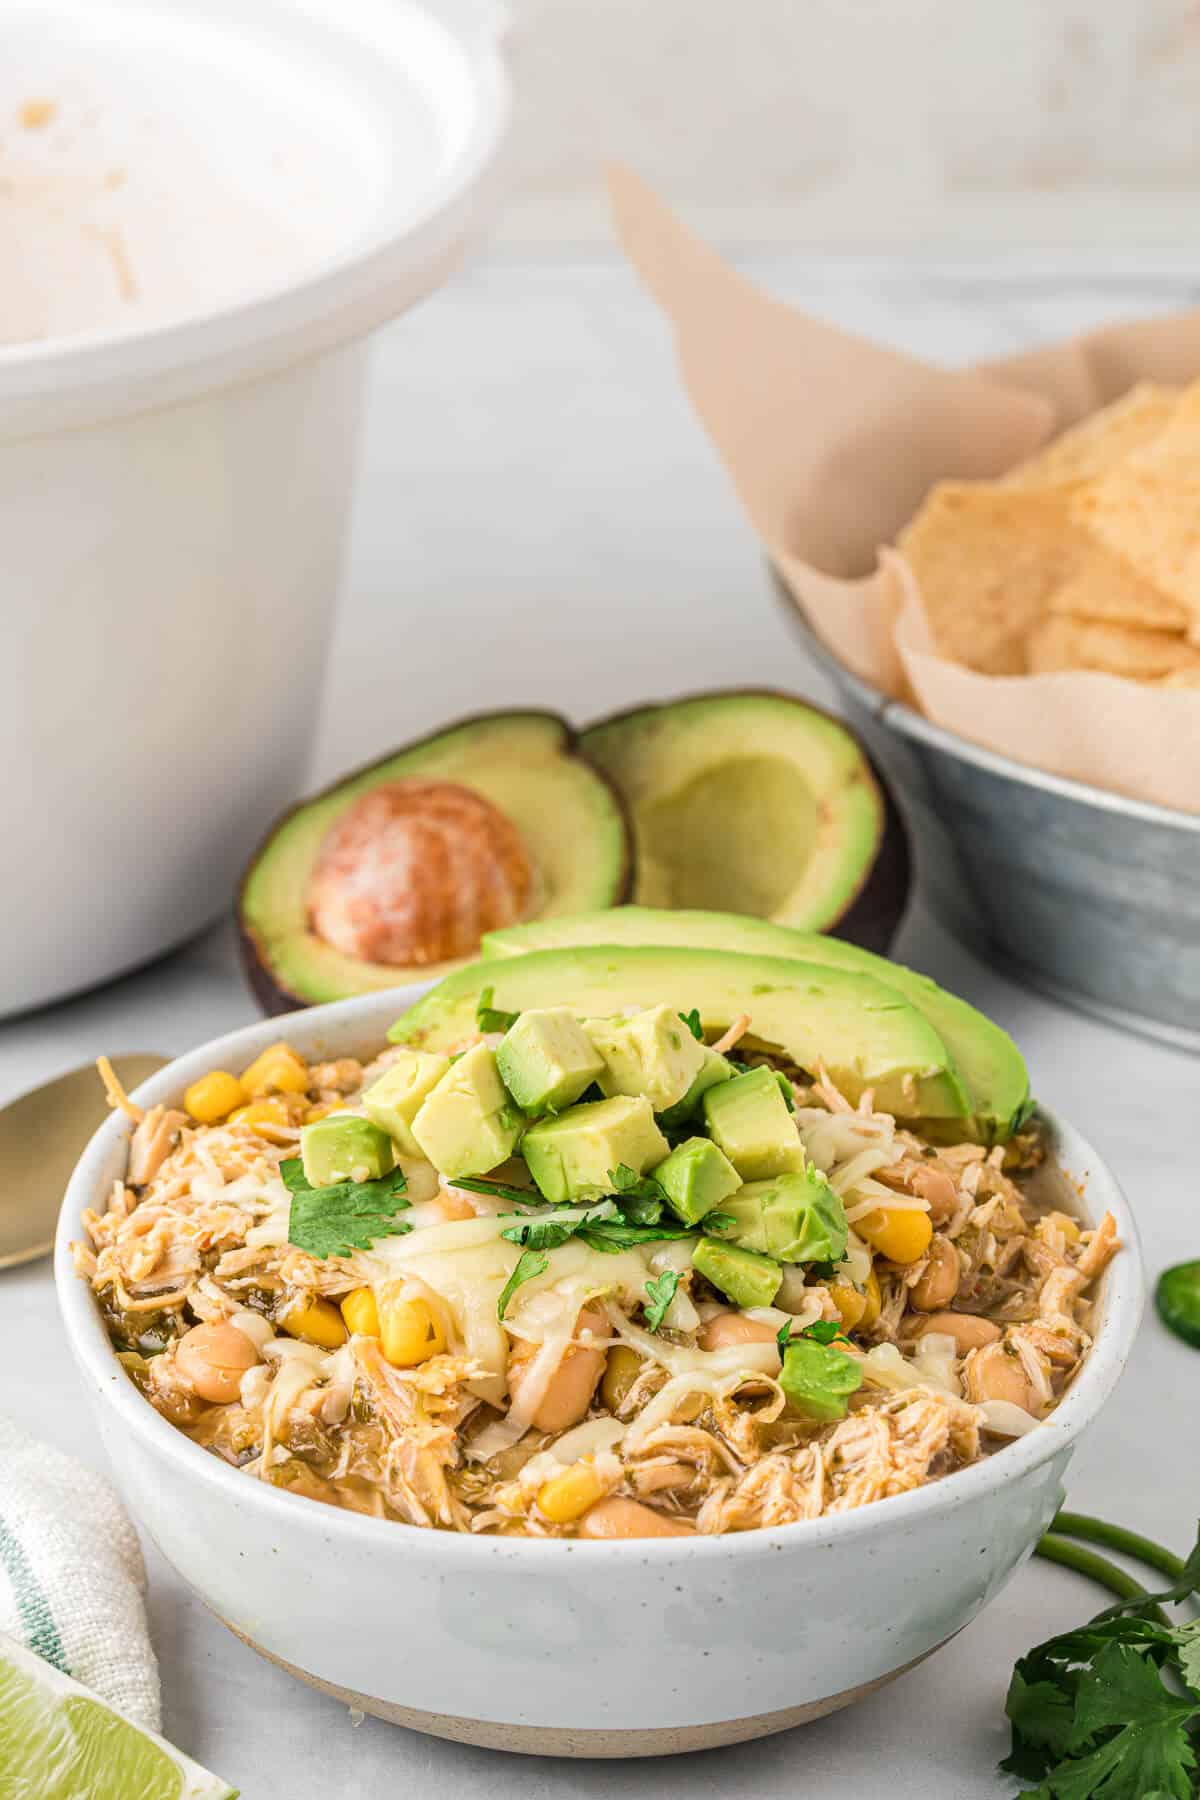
(874, 1300)
(277, 1070)
(900, 1233)
(260, 1112)
(318, 1112)
(361, 1313)
(567, 1496)
(214, 1097)
(315, 1320)
(409, 1329)
(850, 1303)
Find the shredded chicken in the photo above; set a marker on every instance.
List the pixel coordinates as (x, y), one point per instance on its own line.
(197, 1234)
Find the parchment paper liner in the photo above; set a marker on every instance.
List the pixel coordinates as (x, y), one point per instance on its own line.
(832, 442)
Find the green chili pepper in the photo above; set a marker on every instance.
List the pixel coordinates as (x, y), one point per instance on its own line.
(1177, 1298)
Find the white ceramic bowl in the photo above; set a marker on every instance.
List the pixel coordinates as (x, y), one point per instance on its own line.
(175, 486)
(587, 1649)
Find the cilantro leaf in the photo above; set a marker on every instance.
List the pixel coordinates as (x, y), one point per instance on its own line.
(717, 1222)
(1122, 1689)
(1139, 1761)
(346, 1216)
(640, 1197)
(492, 1018)
(547, 1234)
(498, 1190)
(617, 1235)
(692, 1021)
(1187, 1641)
(822, 1331)
(660, 1291)
(540, 1234)
(529, 1265)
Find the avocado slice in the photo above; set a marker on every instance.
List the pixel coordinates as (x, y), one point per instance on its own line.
(343, 1147)
(757, 802)
(744, 1276)
(751, 1121)
(696, 1178)
(866, 1034)
(992, 1068)
(574, 1156)
(468, 1123)
(819, 1379)
(794, 1217)
(570, 831)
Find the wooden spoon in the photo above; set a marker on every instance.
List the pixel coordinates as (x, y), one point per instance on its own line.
(42, 1135)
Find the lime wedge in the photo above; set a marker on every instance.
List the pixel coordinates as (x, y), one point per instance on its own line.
(58, 1742)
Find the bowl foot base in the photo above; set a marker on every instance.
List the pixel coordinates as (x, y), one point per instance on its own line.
(538, 1740)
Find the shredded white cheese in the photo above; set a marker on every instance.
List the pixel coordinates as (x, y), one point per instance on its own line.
(1005, 1419)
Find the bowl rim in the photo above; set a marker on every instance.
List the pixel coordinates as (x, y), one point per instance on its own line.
(912, 724)
(1123, 1298)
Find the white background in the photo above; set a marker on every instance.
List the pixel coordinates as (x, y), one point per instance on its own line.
(864, 121)
(540, 521)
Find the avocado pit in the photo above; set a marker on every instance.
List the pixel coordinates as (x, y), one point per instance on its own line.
(414, 872)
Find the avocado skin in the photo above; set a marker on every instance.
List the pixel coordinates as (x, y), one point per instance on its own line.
(271, 990)
(992, 1067)
(871, 915)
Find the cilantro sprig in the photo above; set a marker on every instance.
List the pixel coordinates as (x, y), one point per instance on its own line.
(640, 1197)
(346, 1216)
(821, 1331)
(492, 1018)
(529, 1264)
(601, 1227)
(660, 1291)
(499, 1190)
(715, 1224)
(1091, 1712)
(692, 1021)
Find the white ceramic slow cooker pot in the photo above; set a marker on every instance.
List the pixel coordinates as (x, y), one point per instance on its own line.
(571, 1647)
(205, 209)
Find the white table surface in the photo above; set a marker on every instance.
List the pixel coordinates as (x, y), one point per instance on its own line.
(540, 522)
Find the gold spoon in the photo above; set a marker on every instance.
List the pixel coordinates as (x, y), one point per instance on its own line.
(42, 1134)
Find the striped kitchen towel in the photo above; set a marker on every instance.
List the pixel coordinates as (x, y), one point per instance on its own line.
(72, 1580)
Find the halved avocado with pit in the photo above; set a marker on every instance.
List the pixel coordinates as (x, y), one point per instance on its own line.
(754, 802)
(429, 846)
(864, 1032)
(992, 1068)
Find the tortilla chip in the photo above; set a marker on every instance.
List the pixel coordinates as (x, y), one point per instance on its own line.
(1103, 588)
(1058, 644)
(1173, 454)
(1100, 441)
(986, 560)
(1181, 678)
(1153, 524)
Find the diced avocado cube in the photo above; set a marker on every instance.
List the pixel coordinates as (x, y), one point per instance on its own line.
(469, 1123)
(713, 1069)
(743, 1276)
(696, 1177)
(653, 1053)
(818, 1378)
(547, 1059)
(572, 1156)
(343, 1147)
(749, 1118)
(398, 1096)
(795, 1217)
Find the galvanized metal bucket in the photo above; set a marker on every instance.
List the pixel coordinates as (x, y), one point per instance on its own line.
(1089, 896)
